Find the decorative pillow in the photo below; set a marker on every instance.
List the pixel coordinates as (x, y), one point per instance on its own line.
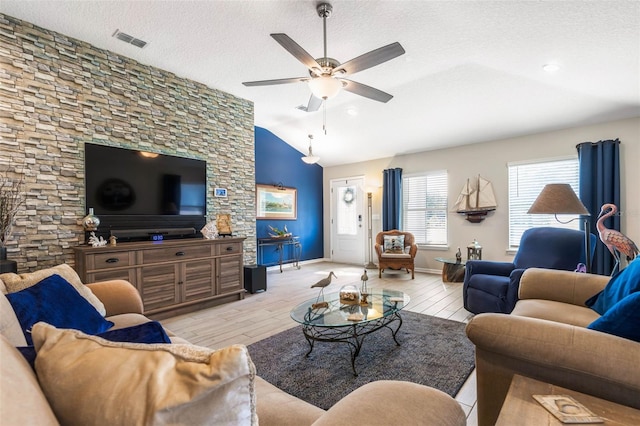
(9, 325)
(14, 282)
(623, 319)
(55, 301)
(91, 381)
(394, 243)
(621, 285)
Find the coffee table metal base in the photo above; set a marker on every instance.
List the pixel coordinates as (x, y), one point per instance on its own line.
(352, 335)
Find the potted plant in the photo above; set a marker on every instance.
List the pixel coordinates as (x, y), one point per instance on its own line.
(11, 198)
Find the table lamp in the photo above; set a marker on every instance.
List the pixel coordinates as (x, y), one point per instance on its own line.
(559, 198)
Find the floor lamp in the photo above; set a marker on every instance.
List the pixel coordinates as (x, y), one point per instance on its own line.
(370, 265)
(559, 198)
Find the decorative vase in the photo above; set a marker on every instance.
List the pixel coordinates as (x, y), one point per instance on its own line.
(90, 222)
(349, 295)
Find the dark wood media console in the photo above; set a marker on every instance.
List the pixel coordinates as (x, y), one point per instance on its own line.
(172, 276)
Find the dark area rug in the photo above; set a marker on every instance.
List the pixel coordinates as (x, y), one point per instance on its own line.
(433, 352)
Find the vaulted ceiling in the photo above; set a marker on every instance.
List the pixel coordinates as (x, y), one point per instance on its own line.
(472, 71)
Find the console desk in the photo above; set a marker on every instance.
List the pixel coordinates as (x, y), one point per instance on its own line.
(289, 250)
(172, 276)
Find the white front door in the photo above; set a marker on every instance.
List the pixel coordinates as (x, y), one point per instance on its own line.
(348, 221)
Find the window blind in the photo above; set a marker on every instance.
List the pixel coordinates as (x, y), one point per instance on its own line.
(424, 207)
(525, 184)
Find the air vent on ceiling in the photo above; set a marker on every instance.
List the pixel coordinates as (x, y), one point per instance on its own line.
(129, 39)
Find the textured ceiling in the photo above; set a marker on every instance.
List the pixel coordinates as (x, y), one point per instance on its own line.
(472, 71)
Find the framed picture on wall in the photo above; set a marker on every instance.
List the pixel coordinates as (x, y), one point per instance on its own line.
(276, 202)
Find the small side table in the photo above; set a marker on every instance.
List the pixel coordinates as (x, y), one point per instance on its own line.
(519, 407)
(452, 270)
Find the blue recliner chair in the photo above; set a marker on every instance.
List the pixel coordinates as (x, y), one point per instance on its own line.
(493, 286)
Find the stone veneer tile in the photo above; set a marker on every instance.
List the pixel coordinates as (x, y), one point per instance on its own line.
(58, 93)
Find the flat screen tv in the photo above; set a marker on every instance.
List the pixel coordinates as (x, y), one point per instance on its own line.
(136, 189)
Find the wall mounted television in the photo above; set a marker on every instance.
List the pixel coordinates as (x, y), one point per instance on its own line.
(140, 195)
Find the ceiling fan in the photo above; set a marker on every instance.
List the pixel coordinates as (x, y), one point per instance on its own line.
(327, 75)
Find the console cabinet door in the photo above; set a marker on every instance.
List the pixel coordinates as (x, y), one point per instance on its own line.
(229, 274)
(198, 278)
(159, 285)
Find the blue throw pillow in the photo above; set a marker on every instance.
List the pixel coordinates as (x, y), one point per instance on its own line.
(622, 320)
(621, 285)
(148, 332)
(55, 301)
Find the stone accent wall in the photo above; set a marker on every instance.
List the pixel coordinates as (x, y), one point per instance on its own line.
(56, 93)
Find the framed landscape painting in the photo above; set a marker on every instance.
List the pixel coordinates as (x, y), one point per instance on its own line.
(276, 202)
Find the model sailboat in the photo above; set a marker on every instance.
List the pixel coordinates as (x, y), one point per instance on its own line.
(476, 199)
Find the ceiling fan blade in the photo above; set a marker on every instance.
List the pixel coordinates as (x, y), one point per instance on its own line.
(278, 81)
(371, 59)
(314, 104)
(298, 52)
(366, 91)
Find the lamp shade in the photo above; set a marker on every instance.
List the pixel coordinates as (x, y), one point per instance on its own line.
(325, 87)
(558, 198)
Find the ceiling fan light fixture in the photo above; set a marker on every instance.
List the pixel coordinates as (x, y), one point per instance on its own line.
(325, 87)
(310, 158)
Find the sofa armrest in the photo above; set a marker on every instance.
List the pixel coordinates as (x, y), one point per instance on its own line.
(413, 250)
(588, 361)
(118, 297)
(387, 402)
(489, 267)
(562, 286)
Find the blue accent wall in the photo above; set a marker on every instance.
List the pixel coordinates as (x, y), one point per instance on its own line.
(277, 162)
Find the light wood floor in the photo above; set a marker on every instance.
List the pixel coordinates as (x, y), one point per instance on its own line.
(264, 314)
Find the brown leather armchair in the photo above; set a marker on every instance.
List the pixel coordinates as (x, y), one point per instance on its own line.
(396, 250)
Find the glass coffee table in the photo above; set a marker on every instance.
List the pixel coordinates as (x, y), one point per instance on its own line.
(350, 324)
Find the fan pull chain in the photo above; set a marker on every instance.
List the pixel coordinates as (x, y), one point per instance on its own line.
(324, 117)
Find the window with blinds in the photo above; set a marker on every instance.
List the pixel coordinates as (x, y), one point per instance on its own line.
(526, 181)
(424, 207)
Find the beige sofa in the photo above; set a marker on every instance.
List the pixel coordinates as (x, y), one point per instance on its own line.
(385, 402)
(545, 337)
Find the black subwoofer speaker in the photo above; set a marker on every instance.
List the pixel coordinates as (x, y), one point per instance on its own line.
(255, 278)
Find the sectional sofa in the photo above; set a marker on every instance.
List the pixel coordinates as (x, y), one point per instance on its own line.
(553, 336)
(84, 379)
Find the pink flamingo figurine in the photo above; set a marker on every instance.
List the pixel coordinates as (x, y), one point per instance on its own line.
(615, 241)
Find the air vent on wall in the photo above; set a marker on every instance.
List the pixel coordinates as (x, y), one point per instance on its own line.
(129, 39)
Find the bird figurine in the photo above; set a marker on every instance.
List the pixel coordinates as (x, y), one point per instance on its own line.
(364, 278)
(323, 283)
(616, 241)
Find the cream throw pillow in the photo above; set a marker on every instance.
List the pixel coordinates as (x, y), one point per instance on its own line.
(16, 282)
(91, 381)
